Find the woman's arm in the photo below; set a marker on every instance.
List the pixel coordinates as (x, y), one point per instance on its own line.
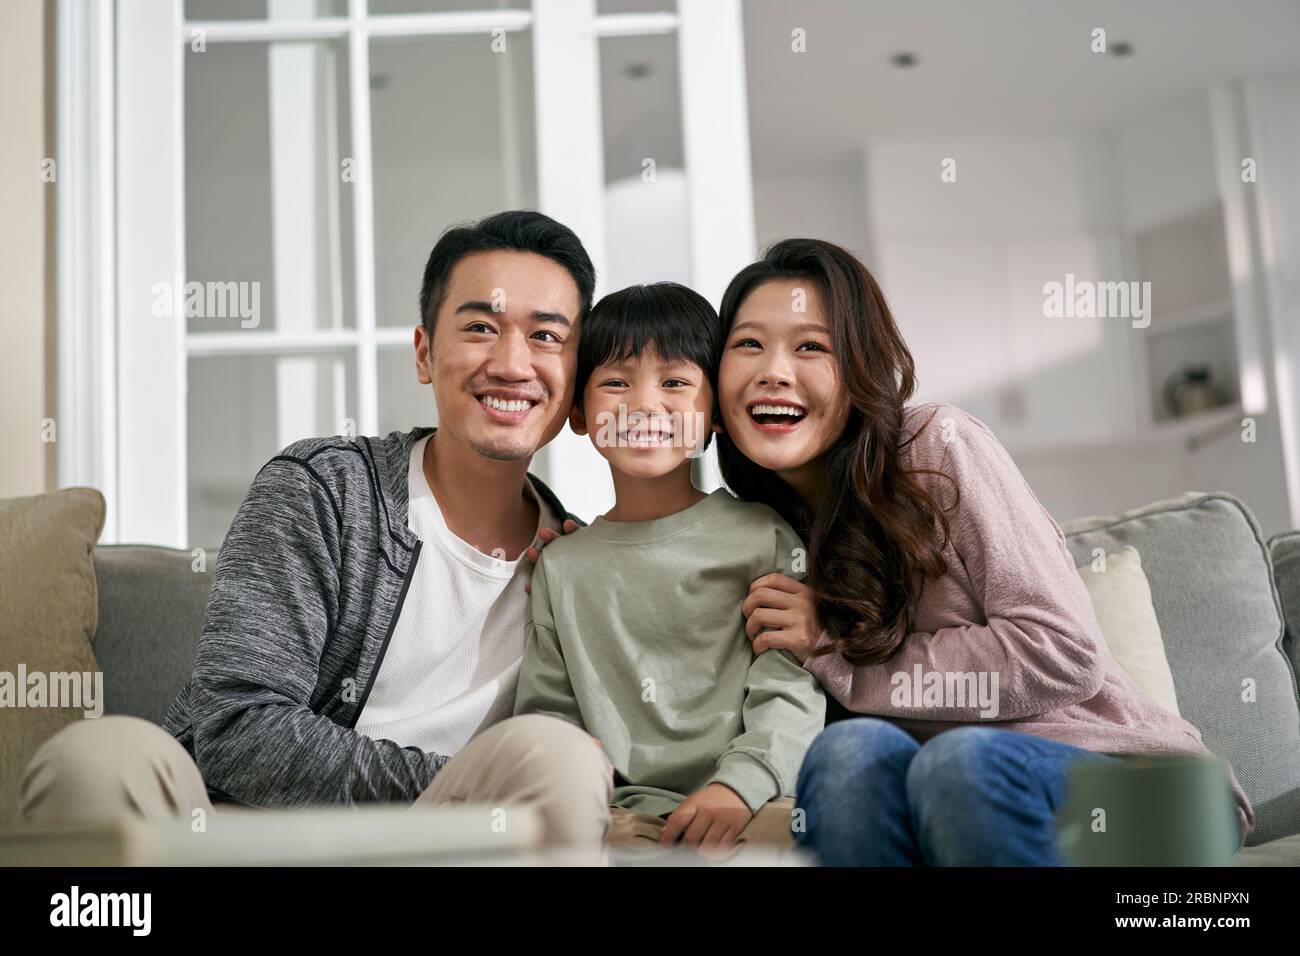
(1039, 634)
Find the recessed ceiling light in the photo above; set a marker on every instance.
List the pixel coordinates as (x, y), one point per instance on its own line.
(904, 60)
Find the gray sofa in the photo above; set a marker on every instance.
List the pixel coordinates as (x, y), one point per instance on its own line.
(1222, 596)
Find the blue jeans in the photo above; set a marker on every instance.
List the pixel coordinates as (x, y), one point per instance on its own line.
(970, 796)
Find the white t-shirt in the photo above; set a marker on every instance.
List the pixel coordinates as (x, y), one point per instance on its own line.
(453, 661)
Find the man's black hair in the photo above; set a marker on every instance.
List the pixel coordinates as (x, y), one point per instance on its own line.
(679, 322)
(518, 230)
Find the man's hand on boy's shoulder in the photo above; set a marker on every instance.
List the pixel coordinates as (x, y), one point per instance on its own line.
(711, 818)
(547, 535)
(787, 609)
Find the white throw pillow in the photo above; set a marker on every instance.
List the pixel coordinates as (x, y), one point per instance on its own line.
(1121, 598)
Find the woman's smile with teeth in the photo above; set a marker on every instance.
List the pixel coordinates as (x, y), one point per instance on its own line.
(776, 417)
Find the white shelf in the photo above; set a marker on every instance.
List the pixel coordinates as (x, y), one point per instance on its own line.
(1186, 427)
(1166, 434)
(1216, 311)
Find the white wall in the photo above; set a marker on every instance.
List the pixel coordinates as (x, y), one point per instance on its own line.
(1166, 170)
(962, 265)
(963, 262)
(822, 202)
(27, 465)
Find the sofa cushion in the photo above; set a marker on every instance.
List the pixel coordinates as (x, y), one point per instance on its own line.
(1121, 599)
(1213, 594)
(1285, 549)
(152, 602)
(47, 618)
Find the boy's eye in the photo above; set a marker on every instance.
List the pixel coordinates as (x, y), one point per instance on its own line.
(615, 382)
(681, 380)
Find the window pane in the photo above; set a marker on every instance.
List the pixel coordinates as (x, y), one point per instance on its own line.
(452, 123)
(242, 410)
(646, 222)
(445, 6)
(403, 402)
(257, 9)
(604, 7)
(268, 186)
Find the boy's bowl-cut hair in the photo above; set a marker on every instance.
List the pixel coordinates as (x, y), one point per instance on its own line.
(679, 322)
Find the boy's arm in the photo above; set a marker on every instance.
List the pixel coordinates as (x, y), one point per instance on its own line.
(544, 686)
(784, 707)
(784, 710)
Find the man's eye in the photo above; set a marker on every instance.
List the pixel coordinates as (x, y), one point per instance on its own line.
(553, 336)
(478, 327)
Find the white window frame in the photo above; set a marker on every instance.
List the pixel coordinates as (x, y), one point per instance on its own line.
(123, 372)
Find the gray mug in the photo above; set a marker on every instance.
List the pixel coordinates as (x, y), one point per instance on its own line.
(1149, 811)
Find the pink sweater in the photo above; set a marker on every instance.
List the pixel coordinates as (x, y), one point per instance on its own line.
(1011, 604)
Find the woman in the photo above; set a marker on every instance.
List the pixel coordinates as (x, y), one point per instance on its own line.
(933, 568)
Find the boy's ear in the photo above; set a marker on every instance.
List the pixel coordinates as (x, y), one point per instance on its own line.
(577, 420)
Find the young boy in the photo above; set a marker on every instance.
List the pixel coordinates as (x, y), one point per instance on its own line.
(635, 631)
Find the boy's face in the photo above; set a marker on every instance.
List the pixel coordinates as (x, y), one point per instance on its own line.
(646, 416)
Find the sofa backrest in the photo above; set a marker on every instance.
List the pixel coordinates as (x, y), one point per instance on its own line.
(152, 602)
(1214, 595)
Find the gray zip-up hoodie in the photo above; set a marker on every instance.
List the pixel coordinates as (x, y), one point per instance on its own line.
(308, 586)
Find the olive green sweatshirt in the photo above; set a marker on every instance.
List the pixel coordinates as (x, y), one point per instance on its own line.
(635, 633)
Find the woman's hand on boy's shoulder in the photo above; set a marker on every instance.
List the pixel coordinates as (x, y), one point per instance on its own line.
(547, 535)
(782, 612)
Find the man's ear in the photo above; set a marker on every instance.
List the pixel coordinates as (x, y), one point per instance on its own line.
(577, 420)
(423, 360)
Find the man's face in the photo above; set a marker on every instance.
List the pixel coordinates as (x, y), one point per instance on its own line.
(504, 353)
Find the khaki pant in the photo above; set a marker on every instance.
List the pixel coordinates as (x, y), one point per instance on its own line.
(768, 829)
(101, 769)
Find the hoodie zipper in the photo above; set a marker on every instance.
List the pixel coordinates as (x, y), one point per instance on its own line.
(392, 626)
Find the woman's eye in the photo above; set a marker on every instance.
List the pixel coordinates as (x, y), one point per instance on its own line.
(816, 345)
(740, 343)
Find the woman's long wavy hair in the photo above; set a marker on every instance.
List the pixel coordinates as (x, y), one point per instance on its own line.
(878, 535)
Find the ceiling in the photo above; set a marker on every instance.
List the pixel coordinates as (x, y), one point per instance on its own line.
(987, 66)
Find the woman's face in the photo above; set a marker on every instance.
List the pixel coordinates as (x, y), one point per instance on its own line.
(779, 387)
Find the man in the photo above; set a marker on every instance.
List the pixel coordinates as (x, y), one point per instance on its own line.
(366, 622)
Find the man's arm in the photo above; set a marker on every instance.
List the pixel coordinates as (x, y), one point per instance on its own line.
(273, 607)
